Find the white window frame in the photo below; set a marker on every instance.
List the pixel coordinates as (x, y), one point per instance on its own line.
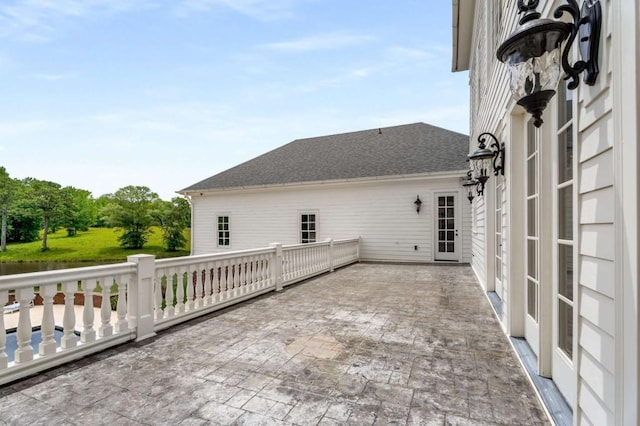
(300, 226)
(228, 237)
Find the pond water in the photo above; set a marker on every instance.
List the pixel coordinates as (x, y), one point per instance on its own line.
(10, 268)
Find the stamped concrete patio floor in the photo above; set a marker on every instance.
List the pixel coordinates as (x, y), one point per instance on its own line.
(368, 344)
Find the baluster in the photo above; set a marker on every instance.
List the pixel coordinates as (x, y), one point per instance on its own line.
(106, 329)
(241, 276)
(48, 345)
(198, 281)
(88, 334)
(190, 292)
(226, 278)
(169, 310)
(294, 263)
(217, 275)
(316, 258)
(234, 280)
(158, 313)
(245, 283)
(179, 291)
(300, 262)
(207, 277)
(313, 259)
(238, 276)
(247, 271)
(263, 272)
(122, 324)
(254, 272)
(267, 272)
(4, 360)
(325, 257)
(300, 267)
(69, 339)
(285, 265)
(25, 351)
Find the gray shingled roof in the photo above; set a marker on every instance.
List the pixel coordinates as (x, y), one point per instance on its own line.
(398, 150)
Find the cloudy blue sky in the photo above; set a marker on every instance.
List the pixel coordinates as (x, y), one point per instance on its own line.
(99, 94)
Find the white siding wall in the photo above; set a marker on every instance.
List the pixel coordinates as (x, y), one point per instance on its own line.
(382, 214)
(595, 176)
(596, 209)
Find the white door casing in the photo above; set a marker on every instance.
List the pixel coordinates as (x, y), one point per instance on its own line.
(446, 214)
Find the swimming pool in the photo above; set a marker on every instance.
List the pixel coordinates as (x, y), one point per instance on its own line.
(36, 339)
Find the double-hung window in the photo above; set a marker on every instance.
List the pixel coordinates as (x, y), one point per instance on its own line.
(224, 235)
(308, 226)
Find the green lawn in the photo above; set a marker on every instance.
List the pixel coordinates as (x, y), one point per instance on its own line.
(96, 244)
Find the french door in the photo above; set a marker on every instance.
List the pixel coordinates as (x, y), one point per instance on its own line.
(565, 281)
(500, 189)
(532, 249)
(446, 236)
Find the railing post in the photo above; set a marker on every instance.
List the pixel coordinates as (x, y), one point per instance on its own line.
(331, 259)
(141, 296)
(276, 272)
(4, 360)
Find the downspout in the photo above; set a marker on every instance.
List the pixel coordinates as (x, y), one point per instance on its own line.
(188, 198)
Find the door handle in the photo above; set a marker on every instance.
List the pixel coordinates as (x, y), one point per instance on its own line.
(456, 232)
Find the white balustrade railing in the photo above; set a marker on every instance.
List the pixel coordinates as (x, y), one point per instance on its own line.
(149, 295)
(79, 336)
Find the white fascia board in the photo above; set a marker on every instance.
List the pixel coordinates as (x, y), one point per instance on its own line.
(462, 31)
(364, 180)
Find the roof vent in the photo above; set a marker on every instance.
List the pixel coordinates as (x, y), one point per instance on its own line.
(379, 131)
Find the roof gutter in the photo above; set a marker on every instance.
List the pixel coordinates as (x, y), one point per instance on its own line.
(416, 176)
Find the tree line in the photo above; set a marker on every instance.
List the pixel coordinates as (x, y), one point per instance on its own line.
(28, 206)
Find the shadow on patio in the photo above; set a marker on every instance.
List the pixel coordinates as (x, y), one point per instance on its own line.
(368, 344)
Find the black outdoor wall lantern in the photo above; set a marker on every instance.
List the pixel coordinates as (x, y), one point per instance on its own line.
(418, 203)
(532, 52)
(468, 183)
(485, 157)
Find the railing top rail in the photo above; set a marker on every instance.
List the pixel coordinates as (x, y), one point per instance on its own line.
(320, 243)
(347, 241)
(307, 245)
(10, 282)
(204, 258)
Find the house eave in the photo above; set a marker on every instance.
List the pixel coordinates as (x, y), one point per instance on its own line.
(462, 31)
(360, 180)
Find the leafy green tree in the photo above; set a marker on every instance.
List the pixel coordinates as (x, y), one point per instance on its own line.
(173, 217)
(47, 197)
(79, 210)
(24, 219)
(131, 212)
(8, 190)
(100, 203)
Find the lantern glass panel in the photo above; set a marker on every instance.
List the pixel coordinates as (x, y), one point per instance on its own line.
(534, 74)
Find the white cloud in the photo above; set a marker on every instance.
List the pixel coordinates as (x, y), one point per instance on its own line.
(265, 10)
(328, 41)
(410, 53)
(36, 20)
